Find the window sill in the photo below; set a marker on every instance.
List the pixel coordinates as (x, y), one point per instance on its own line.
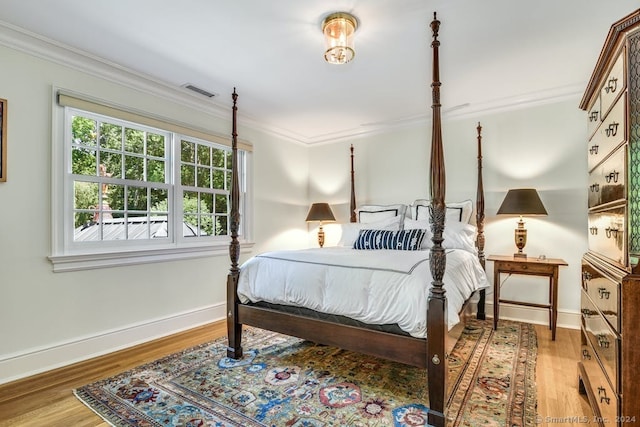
(64, 263)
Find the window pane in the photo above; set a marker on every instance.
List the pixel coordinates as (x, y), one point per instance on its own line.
(155, 145)
(221, 203)
(137, 198)
(159, 199)
(191, 221)
(115, 197)
(187, 175)
(83, 161)
(190, 202)
(206, 203)
(206, 225)
(218, 157)
(229, 177)
(156, 171)
(218, 179)
(134, 168)
(188, 151)
(221, 226)
(138, 227)
(204, 178)
(134, 141)
(112, 163)
(83, 131)
(160, 227)
(110, 136)
(204, 155)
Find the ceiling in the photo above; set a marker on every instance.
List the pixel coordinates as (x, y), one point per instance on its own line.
(494, 54)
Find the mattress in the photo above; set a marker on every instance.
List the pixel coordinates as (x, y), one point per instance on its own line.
(376, 287)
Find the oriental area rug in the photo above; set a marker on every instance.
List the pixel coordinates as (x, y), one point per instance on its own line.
(285, 381)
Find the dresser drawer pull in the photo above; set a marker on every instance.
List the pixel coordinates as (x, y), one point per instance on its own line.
(593, 230)
(602, 394)
(593, 116)
(604, 293)
(595, 188)
(612, 85)
(612, 129)
(593, 150)
(586, 355)
(586, 276)
(613, 176)
(611, 232)
(603, 341)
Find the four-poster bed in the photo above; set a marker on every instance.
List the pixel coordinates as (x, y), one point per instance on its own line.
(406, 348)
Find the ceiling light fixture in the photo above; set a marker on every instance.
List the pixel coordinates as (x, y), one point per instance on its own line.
(338, 29)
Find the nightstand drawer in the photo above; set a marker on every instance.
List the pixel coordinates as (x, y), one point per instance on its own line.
(527, 268)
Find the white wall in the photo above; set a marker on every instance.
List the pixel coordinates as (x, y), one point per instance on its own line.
(541, 147)
(49, 319)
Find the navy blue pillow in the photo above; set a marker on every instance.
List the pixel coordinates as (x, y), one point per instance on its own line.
(403, 240)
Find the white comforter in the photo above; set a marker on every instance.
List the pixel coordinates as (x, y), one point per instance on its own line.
(375, 287)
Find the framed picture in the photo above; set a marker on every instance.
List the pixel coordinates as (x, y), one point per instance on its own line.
(3, 140)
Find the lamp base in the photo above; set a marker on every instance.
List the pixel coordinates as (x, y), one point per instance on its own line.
(520, 255)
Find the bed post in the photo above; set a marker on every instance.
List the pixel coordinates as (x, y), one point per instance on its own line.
(480, 223)
(437, 301)
(352, 206)
(234, 328)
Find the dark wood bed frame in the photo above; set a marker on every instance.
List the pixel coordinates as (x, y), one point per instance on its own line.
(425, 353)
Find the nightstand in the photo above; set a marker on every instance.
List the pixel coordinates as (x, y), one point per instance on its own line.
(530, 266)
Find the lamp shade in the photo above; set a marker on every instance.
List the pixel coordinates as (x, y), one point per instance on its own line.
(522, 201)
(320, 212)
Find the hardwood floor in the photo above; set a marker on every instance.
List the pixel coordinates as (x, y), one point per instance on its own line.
(47, 399)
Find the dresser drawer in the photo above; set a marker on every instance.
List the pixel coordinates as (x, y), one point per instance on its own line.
(613, 84)
(603, 339)
(607, 234)
(605, 397)
(610, 134)
(604, 293)
(607, 182)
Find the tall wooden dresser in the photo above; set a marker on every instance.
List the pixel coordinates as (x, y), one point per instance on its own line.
(609, 369)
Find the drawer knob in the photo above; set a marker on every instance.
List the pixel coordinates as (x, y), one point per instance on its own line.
(604, 293)
(586, 355)
(594, 188)
(593, 150)
(593, 231)
(593, 116)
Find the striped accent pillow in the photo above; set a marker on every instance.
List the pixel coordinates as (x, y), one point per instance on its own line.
(403, 240)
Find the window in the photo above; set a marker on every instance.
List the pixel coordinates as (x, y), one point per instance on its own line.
(129, 186)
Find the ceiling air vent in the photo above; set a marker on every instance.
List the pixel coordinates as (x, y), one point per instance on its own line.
(198, 90)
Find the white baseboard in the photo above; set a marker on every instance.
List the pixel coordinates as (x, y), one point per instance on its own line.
(539, 316)
(34, 361)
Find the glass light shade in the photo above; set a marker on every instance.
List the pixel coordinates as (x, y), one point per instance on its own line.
(339, 29)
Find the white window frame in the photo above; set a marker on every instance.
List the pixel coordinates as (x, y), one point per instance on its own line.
(67, 255)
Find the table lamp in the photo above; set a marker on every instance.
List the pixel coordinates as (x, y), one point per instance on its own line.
(521, 201)
(320, 212)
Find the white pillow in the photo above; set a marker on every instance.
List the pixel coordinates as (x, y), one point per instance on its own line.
(457, 235)
(456, 211)
(372, 213)
(351, 230)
